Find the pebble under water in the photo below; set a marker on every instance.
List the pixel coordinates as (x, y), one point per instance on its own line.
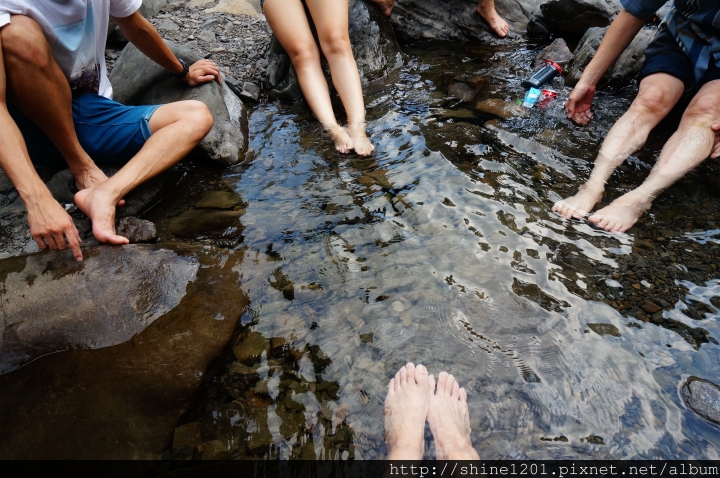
(442, 249)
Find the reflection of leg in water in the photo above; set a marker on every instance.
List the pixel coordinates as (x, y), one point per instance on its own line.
(406, 408)
(449, 420)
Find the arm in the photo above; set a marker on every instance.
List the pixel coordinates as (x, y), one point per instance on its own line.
(144, 36)
(50, 225)
(621, 33)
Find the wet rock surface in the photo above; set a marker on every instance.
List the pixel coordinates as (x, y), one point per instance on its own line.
(131, 391)
(703, 398)
(577, 16)
(455, 20)
(374, 45)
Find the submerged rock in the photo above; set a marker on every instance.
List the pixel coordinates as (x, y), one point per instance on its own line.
(702, 397)
(500, 108)
(207, 223)
(219, 200)
(466, 88)
(374, 46)
(577, 16)
(605, 329)
(623, 71)
(137, 329)
(136, 79)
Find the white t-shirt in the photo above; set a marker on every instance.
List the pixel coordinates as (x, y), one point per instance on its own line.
(77, 32)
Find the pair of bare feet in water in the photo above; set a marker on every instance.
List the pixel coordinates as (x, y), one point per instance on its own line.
(619, 216)
(412, 399)
(351, 138)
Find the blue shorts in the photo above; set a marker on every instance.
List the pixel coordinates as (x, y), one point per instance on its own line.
(110, 133)
(664, 55)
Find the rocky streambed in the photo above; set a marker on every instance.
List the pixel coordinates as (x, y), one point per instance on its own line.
(285, 284)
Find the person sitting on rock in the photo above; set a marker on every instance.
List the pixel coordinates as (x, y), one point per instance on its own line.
(291, 26)
(411, 400)
(55, 108)
(682, 60)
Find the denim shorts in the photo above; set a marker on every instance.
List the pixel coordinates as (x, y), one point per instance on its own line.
(664, 55)
(110, 133)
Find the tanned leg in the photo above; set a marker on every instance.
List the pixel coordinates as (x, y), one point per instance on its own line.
(176, 129)
(38, 88)
(289, 23)
(331, 22)
(657, 96)
(486, 9)
(689, 146)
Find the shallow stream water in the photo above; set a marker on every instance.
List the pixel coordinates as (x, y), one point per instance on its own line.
(442, 249)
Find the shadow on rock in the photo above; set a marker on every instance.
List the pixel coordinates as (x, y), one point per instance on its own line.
(137, 328)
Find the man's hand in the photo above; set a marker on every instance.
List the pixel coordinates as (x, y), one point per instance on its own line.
(579, 103)
(52, 227)
(203, 71)
(716, 148)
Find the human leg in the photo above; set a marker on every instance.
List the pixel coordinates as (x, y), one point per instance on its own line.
(449, 420)
(176, 129)
(406, 408)
(688, 147)
(657, 95)
(331, 22)
(486, 9)
(39, 89)
(289, 22)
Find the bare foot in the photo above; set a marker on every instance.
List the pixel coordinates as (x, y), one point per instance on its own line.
(623, 212)
(580, 205)
(99, 206)
(341, 138)
(486, 9)
(90, 178)
(406, 408)
(362, 143)
(449, 420)
(385, 6)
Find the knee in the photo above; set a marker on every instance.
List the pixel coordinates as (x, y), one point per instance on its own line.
(198, 115)
(303, 53)
(652, 101)
(703, 113)
(336, 43)
(23, 42)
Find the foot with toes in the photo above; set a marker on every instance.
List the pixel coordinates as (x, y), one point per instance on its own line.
(486, 9)
(622, 213)
(581, 204)
(99, 206)
(361, 142)
(412, 400)
(341, 138)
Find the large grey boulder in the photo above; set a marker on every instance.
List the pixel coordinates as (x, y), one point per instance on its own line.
(374, 45)
(138, 80)
(623, 71)
(577, 16)
(136, 331)
(455, 20)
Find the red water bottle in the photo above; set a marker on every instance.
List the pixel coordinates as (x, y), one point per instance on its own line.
(543, 75)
